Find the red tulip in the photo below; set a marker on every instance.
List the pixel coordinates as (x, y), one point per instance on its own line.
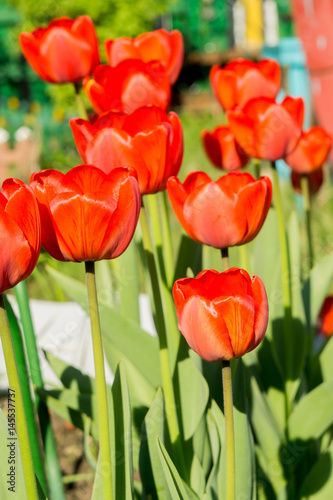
(230, 211)
(222, 149)
(266, 129)
(128, 86)
(158, 45)
(311, 151)
(20, 233)
(65, 51)
(148, 140)
(221, 315)
(86, 214)
(242, 80)
(325, 318)
(315, 180)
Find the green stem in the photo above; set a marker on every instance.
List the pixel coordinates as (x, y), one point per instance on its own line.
(79, 102)
(51, 455)
(287, 362)
(244, 257)
(172, 333)
(102, 405)
(167, 246)
(169, 396)
(283, 242)
(23, 370)
(229, 430)
(307, 207)
(20, 417)
(256, 163)
(225, 259)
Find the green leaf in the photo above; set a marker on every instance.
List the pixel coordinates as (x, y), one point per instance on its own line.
(193, 393)
(71, 377)
(123, 333)
(267, 435)
(201, 446)
(297, 342)
(66, 413)
(325, 360)
(125, 269)
(174, 482)
(151, 471)
(244, 452)
(216, 430)
(83, 403)
(198, 482)
(124, 485)
(141, 390)
(19, 486)
(318, 484)
(313, 414)
(316, 287)
(189, 256)
(264, 252)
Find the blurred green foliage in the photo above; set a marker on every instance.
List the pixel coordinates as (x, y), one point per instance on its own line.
(112, 18)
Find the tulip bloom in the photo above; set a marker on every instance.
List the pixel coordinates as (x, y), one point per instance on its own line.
(65, 51)
(158, 45)
(128, 86)
(311, 151)
(20, 233)
(266, 129)
(325, 318)
(222, 149)
(315, 180)
(221, 315)
(149, 140)
(228, 212)
(86, 214)
(242, 80)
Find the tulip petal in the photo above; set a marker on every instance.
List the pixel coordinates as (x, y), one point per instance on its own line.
(205, 331)
(209, 223)
(237, 312)
(16, 256)
(256, 198)
(260, 312)
(76, 218)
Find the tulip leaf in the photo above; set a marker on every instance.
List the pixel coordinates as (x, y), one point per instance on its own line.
(193, 394)
(174, 482)
(141, 390)
(189, 256)
(244, 452)
(313, 414)
(318, 484)
(127, 282)
(67, 413)
(325, 360)
(18, 483)
(197, 479)
(265, 251)
(124, 486)
(152, 475)
(130, 340)
(216, 430)
(296, 347)
(268, 436)
(83, 403)
(201, 446)
(71, 377)
(316, 287)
